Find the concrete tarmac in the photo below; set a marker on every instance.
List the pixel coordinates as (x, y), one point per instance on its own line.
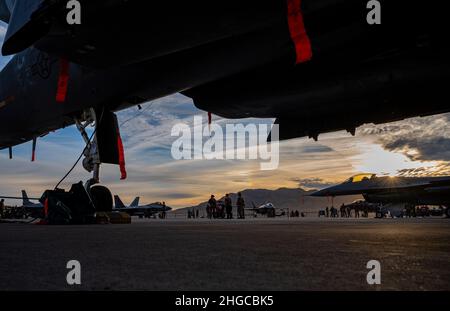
(263, 254)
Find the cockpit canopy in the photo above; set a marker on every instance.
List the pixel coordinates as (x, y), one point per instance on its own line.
(360, 178)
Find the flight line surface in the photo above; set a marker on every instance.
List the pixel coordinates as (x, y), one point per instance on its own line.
(251, 254)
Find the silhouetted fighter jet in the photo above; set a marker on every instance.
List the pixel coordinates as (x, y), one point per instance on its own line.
(32, 209)
(315, 65)
(267, 209)
(135, 209)
(119, 204)
(395, 192)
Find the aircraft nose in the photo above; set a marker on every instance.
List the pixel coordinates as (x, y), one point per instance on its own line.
(324, 192)
(320, 193)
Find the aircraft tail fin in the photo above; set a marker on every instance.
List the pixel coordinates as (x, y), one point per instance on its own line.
(118, 202)
(135, 202)
(25, 199)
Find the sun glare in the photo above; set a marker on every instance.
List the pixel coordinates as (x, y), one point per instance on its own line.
(373, 158)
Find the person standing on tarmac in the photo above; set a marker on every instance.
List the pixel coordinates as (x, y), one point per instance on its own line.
(228, 206)
(241, 206)
(356, 212)
(2, 207)
(212, 203)
(349, 212)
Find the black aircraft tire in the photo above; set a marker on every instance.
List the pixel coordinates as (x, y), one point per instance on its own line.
(102, 199)
(447, 212)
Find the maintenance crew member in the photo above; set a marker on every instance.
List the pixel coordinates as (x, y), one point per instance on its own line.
(228, 206)
(212, 204)
(241, 206)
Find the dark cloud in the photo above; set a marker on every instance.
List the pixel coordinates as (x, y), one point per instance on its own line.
(420, 139)
(428, 148)
(381, 129)
(311, 183)
(316, 149)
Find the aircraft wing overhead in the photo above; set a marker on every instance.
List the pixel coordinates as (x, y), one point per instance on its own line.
(383, 184)
(314, 66)
(5, 14)
(147, 29)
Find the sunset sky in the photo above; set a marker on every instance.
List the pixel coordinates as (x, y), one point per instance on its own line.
(418, 146)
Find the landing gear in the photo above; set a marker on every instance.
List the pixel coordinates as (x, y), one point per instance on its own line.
(447, 212)
(80, 204)
(101, 196)
(103, 146)
(91, 161)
